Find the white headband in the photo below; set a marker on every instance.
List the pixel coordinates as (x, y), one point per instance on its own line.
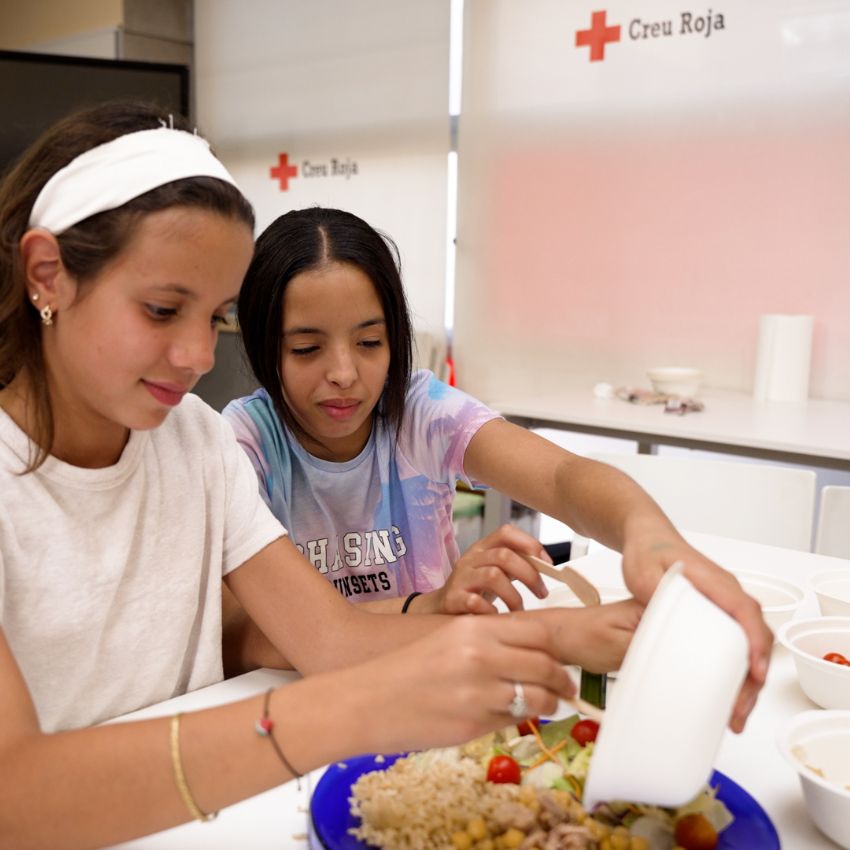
(113, 173)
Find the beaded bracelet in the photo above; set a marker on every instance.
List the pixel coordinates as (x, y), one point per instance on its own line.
(180, 777)
(409, 600)
(264, 726)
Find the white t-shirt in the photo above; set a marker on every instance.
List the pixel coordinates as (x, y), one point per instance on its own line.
(110, 579)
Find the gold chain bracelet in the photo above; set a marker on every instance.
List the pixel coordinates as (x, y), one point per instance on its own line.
(180, 777)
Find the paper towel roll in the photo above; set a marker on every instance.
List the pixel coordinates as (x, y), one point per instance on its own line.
(783, 358)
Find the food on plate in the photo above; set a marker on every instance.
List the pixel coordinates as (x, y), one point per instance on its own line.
(585, 731)
(506, 790)
(837, 658)
(524, 726)
(502, 768)
(695, 832)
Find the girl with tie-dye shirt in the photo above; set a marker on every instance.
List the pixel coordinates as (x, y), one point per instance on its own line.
(359, 459)
(380, 524)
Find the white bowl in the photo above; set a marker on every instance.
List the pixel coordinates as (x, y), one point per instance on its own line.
(832, 588)
(817, 745)
(824, 682)
(779, 599)
(677, 684)
(675, 380)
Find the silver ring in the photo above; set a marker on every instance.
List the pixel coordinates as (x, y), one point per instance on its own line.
(518, 706)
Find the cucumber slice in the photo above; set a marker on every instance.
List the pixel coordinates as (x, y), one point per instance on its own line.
(592, 688)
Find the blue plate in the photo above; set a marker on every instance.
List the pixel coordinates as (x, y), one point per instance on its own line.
(330, 818)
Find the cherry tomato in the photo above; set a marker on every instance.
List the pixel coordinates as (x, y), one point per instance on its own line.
(585, 731)
(524, 728)
(836, 658)
(694, 832)
(503, 769)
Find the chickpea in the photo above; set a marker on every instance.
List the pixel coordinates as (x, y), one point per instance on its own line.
(605, 844)
(528, 798)
(477, 829)
(512, 838)
(620, 839)
(638, 843)
(461, 840)
(526, 794)
(487, 844)
(597, 830)
(564, 798)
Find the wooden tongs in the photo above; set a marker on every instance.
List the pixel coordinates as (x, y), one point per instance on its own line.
(587, 594)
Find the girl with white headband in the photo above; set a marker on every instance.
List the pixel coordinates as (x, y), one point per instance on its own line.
(124, 501)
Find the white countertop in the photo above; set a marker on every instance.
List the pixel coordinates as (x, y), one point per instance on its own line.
(278, 818)
(814, 431)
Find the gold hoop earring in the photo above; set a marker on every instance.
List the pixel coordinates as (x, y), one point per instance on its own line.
(46, 315)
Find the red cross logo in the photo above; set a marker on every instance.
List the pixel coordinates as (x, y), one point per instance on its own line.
(283, 171)
(597, 36)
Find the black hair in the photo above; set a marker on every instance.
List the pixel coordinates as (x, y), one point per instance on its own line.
(308, 239)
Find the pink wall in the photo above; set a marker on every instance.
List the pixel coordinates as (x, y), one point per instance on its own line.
(608, 252)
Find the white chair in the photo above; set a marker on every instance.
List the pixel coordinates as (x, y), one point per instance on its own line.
(747, 501)
(833, 530)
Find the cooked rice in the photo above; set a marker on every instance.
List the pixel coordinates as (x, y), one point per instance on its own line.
(411, 807)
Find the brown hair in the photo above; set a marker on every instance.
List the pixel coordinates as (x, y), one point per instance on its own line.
(86, 247)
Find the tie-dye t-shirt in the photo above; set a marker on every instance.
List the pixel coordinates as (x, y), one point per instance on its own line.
(379, 525)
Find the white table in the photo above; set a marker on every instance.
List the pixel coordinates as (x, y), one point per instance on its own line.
(278, 818)
(814, 433)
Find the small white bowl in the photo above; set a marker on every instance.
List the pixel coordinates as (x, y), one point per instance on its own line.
(779, 599)
(675, 380)
(817, 745)
(677, 684)
(824, 682)
(832, 588)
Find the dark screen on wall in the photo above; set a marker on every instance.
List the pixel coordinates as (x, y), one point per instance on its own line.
(36, 90)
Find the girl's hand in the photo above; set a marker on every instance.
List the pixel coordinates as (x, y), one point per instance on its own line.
(648, 554)
(485, 572)
(594, 638)
(457, 682)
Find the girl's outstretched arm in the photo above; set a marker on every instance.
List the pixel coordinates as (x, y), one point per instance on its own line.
(603, 503)
(99, 786)
(319, 631)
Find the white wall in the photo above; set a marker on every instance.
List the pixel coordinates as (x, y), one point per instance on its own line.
(365, 84)
(646, 208)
